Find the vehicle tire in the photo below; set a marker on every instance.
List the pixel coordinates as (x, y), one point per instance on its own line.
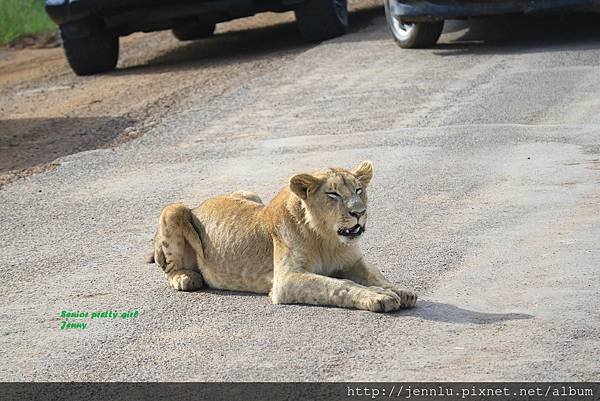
(194, 31)
(319, 20)
(412, 35)
(94, 52)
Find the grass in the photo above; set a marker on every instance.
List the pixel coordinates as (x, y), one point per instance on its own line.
(21, 17)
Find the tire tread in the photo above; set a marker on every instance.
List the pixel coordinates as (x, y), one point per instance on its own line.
(96, 53)
(317, 21)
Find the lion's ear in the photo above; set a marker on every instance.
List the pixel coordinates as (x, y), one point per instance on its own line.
(303, 184)
(364, 172)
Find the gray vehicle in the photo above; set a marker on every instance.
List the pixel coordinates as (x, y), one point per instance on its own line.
(419, 23)
(90, 29)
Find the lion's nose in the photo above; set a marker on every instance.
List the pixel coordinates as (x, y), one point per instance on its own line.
(358, 213)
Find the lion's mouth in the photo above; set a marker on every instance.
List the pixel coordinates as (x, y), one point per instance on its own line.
(351, 232)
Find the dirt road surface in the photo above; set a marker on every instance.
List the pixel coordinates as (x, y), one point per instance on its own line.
(485, 199)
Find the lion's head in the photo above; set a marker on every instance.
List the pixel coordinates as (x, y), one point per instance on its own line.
(335, 200)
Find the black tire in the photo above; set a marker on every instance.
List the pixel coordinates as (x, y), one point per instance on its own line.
(319, 20)
(412, 35)
(92, 52)
(194, 31)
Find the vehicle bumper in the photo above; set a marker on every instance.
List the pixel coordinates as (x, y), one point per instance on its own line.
(61, 11)
(420, 10)
(64, 11)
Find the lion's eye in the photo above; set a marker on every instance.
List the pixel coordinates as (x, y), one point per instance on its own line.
(333, 195)
(359, 191)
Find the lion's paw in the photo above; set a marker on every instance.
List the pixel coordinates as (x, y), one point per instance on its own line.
(408, 299)
(186, 280)
(380, 300)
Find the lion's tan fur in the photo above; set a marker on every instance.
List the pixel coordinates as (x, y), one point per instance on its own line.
(290, 248)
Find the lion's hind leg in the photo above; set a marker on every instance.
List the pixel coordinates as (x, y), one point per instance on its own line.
(178, 248)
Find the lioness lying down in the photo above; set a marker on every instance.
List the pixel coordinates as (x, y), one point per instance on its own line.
(300, 248)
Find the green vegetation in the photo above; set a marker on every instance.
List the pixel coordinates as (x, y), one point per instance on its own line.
(20, 17)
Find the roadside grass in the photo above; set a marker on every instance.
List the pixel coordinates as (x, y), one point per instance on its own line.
(21, 17)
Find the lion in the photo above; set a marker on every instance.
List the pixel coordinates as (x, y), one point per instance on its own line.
(301, 248)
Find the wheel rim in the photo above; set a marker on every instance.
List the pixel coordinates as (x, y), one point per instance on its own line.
(401, 30)
(341, 9)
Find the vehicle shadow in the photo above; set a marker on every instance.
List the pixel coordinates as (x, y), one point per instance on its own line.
(29, 142)
(446, 313)
(517, 34)
(237, 46)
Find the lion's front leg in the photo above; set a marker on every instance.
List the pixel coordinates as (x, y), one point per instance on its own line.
(369, 276)
(294, 285)
(313, 289)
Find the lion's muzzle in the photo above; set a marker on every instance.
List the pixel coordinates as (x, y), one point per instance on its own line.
(352, 232)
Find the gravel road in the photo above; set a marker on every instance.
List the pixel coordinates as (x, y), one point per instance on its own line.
(485, 199)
